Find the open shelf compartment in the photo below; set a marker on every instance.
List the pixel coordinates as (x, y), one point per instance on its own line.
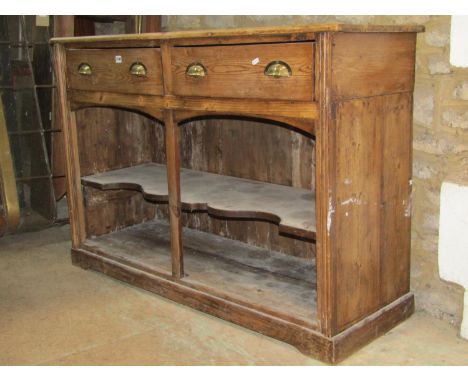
(264, 280)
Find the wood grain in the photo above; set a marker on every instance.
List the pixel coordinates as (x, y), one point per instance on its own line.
(302, 124)
(149, 105)
(107, 75)
(152, 23)
(374, 193)
(358, 255)
(262, 234)
(114, 210)
(297, 114)
(299, 32)
(324, 169)
(63, 27)
(395, 227)
(166, 57)
(351, 112)
(308, 341)
(269, 281)
(366, 65)
(74, 193)
(270, 109)
(232, 71)
(274, 154)
(293, 209)
(114, 139)
(372, 327)
(357, 209)
(173, 191)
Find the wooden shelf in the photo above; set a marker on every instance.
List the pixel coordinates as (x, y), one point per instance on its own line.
(293, 209)
(264, 280)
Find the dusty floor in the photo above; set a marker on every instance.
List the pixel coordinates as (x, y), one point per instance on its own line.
(54, 313)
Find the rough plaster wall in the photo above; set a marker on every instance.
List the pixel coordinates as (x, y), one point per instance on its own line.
(440, 136)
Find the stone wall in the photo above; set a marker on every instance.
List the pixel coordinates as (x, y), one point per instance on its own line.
(440, 136)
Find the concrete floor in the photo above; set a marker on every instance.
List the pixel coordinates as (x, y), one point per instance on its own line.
(55, 314)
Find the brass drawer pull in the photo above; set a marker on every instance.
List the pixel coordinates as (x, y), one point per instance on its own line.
(85, 69)
(278, 69)
(196, 70)
(137, 69)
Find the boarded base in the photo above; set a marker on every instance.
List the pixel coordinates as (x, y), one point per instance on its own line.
(264, 280)
(308, 340)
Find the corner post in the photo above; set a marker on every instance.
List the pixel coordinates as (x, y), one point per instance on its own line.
(74, 191)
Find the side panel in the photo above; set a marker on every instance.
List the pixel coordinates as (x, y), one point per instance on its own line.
(355, 229)
(364, 172)
(370, 64)
(395, 225)
(370, 223)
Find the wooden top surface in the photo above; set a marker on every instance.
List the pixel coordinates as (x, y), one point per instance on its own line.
(239, 32)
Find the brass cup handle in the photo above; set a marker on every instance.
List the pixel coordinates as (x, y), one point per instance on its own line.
(278, 69)
(196, 70)
(138, 69)
(85, 69)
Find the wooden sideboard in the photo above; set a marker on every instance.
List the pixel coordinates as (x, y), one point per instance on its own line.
(347, 90)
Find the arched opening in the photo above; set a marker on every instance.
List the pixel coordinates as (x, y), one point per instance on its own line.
(247, 197)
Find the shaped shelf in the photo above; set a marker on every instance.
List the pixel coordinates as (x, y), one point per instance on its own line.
(293, 209)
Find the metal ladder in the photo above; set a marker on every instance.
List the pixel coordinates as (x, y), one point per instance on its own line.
(26, 104)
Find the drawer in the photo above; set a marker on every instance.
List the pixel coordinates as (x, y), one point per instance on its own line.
(238, 71)
(111, 70)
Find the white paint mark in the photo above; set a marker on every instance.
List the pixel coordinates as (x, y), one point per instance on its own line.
(411, 182)
(347, 181)
(407, 208)
(331, 211)
(352, 200)
(255, 61)
(118, 59)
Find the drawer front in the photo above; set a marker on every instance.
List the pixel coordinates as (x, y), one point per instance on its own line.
(110, 70)
(238, 71)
